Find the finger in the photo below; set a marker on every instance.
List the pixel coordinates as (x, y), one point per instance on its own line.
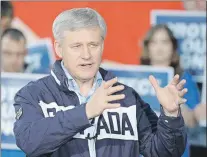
(183, 92)
(115, 97)
(181, 84)
(111, 106)
(154, 82)
(175, 80)
(110, 82)
(182, 101)
(115, 89)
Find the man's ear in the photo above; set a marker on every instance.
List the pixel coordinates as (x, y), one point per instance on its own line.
(58, 48)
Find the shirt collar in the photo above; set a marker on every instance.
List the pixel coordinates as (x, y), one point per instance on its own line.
(72, 83)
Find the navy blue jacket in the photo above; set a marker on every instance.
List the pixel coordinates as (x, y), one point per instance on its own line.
(52, 123)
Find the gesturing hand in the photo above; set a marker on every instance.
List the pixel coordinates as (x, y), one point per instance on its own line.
(171, 96)
(102, 97)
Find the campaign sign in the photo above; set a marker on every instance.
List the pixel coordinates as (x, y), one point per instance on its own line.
(189, 27)
(40, 57)
(137, 77)
(10, 84)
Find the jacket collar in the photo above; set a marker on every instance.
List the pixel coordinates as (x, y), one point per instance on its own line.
(61, 79)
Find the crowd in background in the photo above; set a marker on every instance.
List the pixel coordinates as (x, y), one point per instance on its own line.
(159, 50)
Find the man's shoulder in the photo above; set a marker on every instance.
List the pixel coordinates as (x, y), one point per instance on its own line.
(35, 87)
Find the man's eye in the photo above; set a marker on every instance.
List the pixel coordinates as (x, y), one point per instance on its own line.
(93, 45)
(76, 46)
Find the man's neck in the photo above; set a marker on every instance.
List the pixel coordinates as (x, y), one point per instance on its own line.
(9, 71)
(85, 85)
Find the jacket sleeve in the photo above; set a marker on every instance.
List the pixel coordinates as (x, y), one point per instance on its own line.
(36, 135)
(159, 137)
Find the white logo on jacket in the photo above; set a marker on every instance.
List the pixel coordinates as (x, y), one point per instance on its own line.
(120, 123)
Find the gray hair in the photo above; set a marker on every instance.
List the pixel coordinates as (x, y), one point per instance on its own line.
(77, 18)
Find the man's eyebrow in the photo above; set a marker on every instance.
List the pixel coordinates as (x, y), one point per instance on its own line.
(94, 42)
(75, 43)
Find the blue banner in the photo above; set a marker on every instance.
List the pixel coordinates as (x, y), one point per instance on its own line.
(137, 77)
(189, 27)
(10, 84)
(40, 57)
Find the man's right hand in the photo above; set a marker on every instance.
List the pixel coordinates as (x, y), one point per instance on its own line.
(102, 97)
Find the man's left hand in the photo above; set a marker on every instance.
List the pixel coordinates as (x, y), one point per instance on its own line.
(171, 96)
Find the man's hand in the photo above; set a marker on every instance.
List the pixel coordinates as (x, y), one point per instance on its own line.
(102, 97)
(171, 96)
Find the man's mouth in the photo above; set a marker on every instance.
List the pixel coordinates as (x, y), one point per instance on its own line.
(86, 65)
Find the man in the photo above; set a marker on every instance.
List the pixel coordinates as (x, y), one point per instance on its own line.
(13, 51)
(81, 110)
(7, 14)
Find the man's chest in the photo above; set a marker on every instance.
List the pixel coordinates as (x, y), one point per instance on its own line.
(120, 123)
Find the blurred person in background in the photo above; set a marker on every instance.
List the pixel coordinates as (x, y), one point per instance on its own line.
(200, 110)
(160, 50)
(7, 14)
(195, 5)
(198, 6)
(13, 51)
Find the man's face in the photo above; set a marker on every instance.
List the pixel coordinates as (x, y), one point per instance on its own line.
(13, 53)
(81, 51)
(5, 22)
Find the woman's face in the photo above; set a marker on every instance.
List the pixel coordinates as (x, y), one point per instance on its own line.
(160, 48)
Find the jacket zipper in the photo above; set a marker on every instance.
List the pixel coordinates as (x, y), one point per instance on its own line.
(91, 147)
(91, 142)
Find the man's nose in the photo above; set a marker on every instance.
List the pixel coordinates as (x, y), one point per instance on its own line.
(86, 54)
